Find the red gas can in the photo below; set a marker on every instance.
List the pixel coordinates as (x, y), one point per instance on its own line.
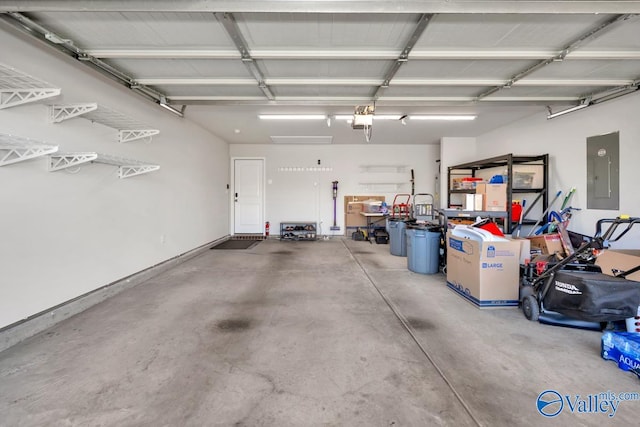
(516, 211)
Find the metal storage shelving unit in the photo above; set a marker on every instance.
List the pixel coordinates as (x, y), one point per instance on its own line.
(128, 129)
(507, 161)
(298, 231)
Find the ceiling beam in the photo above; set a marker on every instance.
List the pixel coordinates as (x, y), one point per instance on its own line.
(421, 25)
(327, 6)
(454, 101)
(199, 81)
(575, 44)
(229, 23)
(360, 54)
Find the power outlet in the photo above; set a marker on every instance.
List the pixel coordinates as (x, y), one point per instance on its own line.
(162, 239)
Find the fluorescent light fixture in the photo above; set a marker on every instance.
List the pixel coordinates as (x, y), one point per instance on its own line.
(292, 117)
(445, 117)
(375, 117)
(569, 110)
(387, 117)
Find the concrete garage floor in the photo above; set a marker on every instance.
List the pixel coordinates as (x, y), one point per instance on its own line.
(296, 334)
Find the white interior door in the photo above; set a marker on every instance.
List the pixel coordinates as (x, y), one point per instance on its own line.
(248, 197)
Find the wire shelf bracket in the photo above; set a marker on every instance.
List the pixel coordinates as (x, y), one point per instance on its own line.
(128, 129)
(17, 88)
(126, 167)
(59, 113)
(14, 149)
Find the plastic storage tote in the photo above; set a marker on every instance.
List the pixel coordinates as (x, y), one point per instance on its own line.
(423, 250)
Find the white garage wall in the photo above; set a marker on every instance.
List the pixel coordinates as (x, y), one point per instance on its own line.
(306, 195)
(564, 138)
(62, 234)
(454, 151)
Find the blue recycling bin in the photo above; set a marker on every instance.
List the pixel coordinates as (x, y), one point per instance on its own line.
(423, 250)
(398, 237)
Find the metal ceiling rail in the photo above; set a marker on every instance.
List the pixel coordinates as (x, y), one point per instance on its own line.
(17, 88)
(33, 29)
(14, 149)
(327, 6)
(128, 128)
(376, 82)
(384, 100)
(421, 25)
(589, 35)
(416, 54)
(612, 93)
(231, 26)
(126, 167)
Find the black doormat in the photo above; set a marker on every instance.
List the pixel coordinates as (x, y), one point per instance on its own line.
(236, 244)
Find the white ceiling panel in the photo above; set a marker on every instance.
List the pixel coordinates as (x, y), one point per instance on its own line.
(181, 68)
(338, 68)
(209, 90)
(505, 31)
(101, 30)
(321, 31)
(431, 91)
(546, 91)
(462, 69)
(625, 36)
(323, 91)
(570, 69)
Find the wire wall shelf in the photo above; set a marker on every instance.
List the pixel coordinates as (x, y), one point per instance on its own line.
(128, 129)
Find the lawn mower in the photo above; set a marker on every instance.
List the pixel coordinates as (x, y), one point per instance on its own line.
(573, 292)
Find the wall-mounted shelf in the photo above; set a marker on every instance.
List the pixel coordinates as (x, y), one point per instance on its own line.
(17, 88)
(382, 186)
(14, 149)
(128, 129)
(126, 167)
(383, 168)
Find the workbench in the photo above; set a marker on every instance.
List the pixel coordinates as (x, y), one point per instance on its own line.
(372, 219)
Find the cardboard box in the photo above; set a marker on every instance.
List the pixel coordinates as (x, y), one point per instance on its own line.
(484, 273)
(353, 205)
(525, 249)
(619, 259)
(473, 202)
(547, 243)
(494, 196)
(371, 206)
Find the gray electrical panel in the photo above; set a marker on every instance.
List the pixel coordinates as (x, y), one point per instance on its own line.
(603, 171)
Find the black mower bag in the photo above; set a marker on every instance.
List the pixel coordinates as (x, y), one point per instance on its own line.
(592, 297)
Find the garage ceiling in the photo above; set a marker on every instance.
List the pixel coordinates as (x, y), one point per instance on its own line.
(229, 61)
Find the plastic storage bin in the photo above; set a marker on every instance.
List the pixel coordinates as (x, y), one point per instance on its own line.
(423, 250)
(398, 237)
